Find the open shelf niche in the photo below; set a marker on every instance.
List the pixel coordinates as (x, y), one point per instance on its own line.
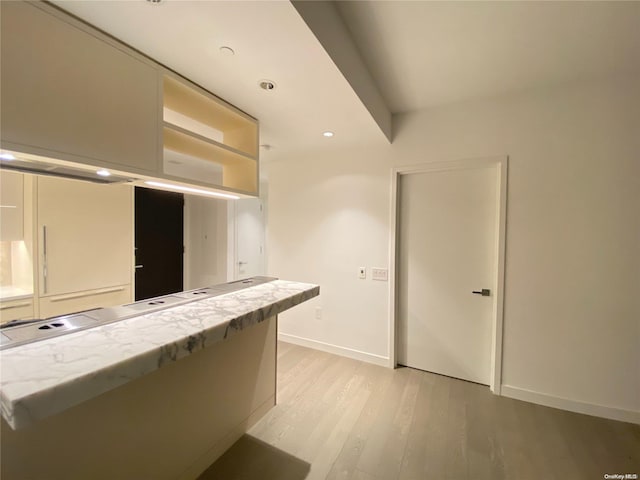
(208, 140)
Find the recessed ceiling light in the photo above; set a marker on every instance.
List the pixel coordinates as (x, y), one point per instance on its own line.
(328, 134)
(227, 51)
(267, 85)
(103, 173)
(7, 156)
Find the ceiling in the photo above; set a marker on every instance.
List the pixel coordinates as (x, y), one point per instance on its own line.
(428, 53)
(270, 41)
(419, 54)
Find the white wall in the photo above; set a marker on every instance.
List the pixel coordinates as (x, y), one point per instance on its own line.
(325, 220)
(205, 241)
(572, 308)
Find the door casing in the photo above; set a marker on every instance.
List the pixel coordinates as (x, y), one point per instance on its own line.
(501, 165)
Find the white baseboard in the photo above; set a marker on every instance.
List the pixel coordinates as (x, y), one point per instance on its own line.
(613, 413)
(335, 349)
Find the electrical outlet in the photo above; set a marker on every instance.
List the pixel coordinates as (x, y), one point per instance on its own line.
(318, 313)
(381, 274)
(362, 273)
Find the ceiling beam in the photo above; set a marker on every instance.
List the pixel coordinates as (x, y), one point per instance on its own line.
(325, 22)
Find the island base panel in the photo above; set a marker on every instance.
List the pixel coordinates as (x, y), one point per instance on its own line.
(170, 424)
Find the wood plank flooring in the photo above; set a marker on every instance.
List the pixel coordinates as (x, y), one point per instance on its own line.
(341, 419)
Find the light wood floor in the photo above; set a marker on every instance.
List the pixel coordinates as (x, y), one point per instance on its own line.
(339, 418)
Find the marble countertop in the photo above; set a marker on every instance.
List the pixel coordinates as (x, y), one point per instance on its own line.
(46, 377)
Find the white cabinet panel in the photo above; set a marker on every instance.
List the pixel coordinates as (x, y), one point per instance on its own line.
(70, 94)
(54, 305)
(16, 310)
(85, 235)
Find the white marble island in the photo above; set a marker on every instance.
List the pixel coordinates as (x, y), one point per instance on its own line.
(156, 396)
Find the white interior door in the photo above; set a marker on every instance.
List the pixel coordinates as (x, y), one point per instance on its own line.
(249, 258)
(447, 247)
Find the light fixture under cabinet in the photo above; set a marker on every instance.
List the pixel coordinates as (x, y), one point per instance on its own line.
(197, 191)
(33, 164)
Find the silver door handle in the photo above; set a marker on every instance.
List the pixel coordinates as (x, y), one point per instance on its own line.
(45, 269)
(485, 292)
(138, 266)
(242, 263)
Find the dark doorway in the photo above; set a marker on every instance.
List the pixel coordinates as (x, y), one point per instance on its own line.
(159, 242)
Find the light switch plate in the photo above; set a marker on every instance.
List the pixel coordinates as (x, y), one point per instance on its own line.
(381, 274)
(362, 273)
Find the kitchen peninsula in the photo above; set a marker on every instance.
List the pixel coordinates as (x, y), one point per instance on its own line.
(155, 396)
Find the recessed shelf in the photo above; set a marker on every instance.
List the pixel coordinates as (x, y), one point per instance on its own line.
(239, 131)
(179, 120)
(230, 152)
(238, 171)
(208, 140)
(184, 166)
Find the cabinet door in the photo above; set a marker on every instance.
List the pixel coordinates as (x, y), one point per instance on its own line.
(55, 305)
(86, 235)
(11, 206)
(16, 310)
(69, 94)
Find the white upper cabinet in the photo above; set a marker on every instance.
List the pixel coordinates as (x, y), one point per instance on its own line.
(71, 94)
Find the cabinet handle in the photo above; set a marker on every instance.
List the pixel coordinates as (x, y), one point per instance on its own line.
(71, 296)
(17, 305)
(45, 269)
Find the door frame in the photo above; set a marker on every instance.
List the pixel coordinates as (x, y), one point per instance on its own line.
(501, 164)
